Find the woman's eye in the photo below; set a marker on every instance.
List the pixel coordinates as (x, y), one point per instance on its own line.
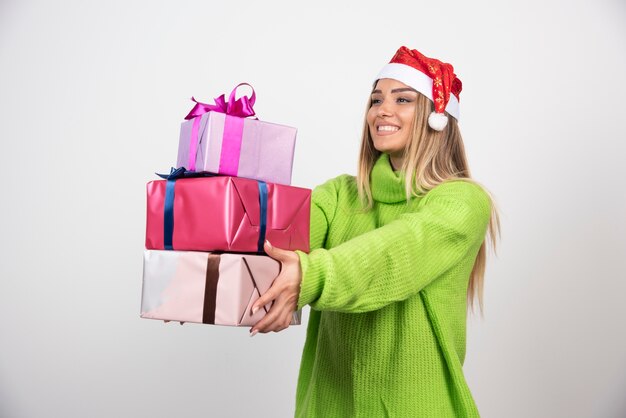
(403, 100)
(376, 101)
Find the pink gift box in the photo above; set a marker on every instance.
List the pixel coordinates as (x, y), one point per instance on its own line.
(240, 147)
(223, 213)
(200, 287)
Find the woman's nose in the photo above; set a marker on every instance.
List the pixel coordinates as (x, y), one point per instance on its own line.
(384, 109)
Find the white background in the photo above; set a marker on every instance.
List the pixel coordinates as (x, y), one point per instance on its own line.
(91, 97)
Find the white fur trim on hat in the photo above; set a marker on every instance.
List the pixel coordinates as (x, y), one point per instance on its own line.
(420, 82)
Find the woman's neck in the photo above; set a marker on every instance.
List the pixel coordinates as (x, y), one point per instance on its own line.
(396, 161)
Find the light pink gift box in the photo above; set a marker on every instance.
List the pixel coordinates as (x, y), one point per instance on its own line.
(200, 287)
(239, 147)
(224, 214)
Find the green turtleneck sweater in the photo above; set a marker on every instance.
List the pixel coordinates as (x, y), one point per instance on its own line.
(388, 293)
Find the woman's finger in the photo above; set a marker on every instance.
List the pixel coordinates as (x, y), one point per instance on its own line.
(275, 318)
(266, 298)
(266, 321)
(276, 323)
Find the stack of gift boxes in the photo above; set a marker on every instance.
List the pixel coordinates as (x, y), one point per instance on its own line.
(208, 219)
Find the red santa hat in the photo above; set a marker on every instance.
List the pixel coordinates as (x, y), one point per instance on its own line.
(431, 77)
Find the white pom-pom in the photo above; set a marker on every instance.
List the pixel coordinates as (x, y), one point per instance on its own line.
(437, 121)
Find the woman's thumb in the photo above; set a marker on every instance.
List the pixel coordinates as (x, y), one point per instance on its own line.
(274, 252)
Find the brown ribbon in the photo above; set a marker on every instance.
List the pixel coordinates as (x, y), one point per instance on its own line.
(210, 288)
(253, 280)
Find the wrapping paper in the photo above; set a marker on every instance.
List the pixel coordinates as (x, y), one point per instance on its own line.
(201, 287)
(261, 150)
(224, 214)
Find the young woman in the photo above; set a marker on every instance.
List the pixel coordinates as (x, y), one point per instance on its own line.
(398, 255)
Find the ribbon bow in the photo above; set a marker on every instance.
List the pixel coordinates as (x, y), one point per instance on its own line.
(242, 107)
(182, 172)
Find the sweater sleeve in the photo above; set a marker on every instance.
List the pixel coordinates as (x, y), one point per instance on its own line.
(323, 208)
(397, 260)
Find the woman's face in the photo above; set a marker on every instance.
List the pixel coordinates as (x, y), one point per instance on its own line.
(390, 117)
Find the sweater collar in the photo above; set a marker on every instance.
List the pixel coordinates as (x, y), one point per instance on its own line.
(387, 185)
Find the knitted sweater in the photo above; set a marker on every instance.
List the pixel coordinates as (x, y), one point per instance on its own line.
(388, 293)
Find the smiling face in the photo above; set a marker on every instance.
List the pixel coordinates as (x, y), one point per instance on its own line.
(390, 117)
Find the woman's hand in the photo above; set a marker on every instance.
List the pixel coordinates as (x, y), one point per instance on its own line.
(284, 292)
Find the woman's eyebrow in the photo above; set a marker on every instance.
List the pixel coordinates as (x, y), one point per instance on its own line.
(403, 89)
(396, 90)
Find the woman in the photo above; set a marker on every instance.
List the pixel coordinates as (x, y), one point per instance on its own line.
(398, 256)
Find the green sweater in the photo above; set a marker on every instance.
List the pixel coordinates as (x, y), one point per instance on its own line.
(388, 293)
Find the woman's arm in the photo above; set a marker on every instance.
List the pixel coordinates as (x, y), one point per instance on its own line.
(385, 265)
(396, 261)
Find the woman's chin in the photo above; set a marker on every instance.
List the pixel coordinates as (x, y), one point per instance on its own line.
(386, 149)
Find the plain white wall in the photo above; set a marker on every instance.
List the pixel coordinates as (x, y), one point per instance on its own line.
(91, 96)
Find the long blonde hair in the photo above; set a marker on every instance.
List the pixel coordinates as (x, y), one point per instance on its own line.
(430, 158)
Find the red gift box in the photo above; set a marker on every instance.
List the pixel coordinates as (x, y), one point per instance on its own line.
(225, 214)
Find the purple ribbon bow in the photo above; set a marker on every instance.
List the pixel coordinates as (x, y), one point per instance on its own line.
(240, 108)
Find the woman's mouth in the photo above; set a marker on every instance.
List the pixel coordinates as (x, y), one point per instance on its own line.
(387, 129)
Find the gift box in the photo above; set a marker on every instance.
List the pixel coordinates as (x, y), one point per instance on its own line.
(206, 288)
(219, 139)
(224, 213)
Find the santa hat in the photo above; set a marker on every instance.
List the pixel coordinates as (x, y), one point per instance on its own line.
(431, 77)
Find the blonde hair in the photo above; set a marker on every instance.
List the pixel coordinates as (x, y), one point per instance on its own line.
(431, 158)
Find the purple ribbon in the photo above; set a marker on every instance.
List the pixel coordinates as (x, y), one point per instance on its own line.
(235, 110)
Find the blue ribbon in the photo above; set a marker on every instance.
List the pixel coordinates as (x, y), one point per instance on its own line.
(168, 214)
(263, 220)
(168, 205)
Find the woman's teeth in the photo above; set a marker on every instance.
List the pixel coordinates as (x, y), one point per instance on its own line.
(388, 128)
